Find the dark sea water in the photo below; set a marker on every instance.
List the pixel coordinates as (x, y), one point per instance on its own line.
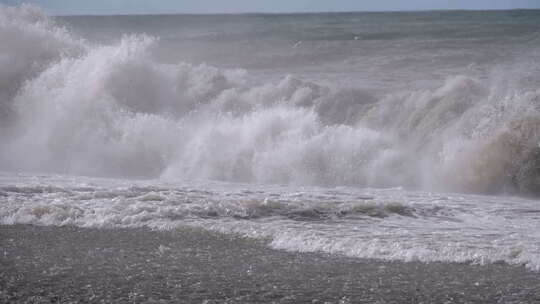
(379, 51)
(394, 136)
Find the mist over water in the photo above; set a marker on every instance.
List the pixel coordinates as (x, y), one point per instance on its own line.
(113, 109)
(314, 132)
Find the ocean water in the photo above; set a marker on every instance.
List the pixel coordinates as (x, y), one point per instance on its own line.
(398, 136)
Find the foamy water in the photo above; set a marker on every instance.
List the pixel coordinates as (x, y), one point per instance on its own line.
(330, 112)
(390, 224)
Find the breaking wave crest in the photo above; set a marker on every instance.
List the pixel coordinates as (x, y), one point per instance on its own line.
(110, 110)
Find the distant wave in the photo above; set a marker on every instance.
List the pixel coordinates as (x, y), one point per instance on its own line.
(110, 110)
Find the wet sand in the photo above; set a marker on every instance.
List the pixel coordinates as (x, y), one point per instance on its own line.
(77, 265)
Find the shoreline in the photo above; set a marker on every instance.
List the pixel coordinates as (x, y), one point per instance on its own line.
(44, 264)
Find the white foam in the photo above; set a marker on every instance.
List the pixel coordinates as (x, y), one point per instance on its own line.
(388, 224)
(113, 111)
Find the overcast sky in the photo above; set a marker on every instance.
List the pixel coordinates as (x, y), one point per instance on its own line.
(237, 6)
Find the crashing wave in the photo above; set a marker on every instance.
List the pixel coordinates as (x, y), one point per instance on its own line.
(111, 110)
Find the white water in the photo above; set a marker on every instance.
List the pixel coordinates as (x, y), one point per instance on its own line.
(112, 111)
(76, 108)
(388, 224)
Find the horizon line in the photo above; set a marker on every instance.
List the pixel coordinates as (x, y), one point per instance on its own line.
(290, 12)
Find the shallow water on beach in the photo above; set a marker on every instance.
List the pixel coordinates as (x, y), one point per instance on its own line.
(138, 265)
(390, 224)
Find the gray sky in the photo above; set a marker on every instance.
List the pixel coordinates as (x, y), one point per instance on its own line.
(236, 6)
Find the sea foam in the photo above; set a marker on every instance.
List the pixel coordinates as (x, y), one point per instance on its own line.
(69, 106)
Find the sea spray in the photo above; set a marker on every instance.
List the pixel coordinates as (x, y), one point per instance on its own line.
(379, 116)
(112, 110)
